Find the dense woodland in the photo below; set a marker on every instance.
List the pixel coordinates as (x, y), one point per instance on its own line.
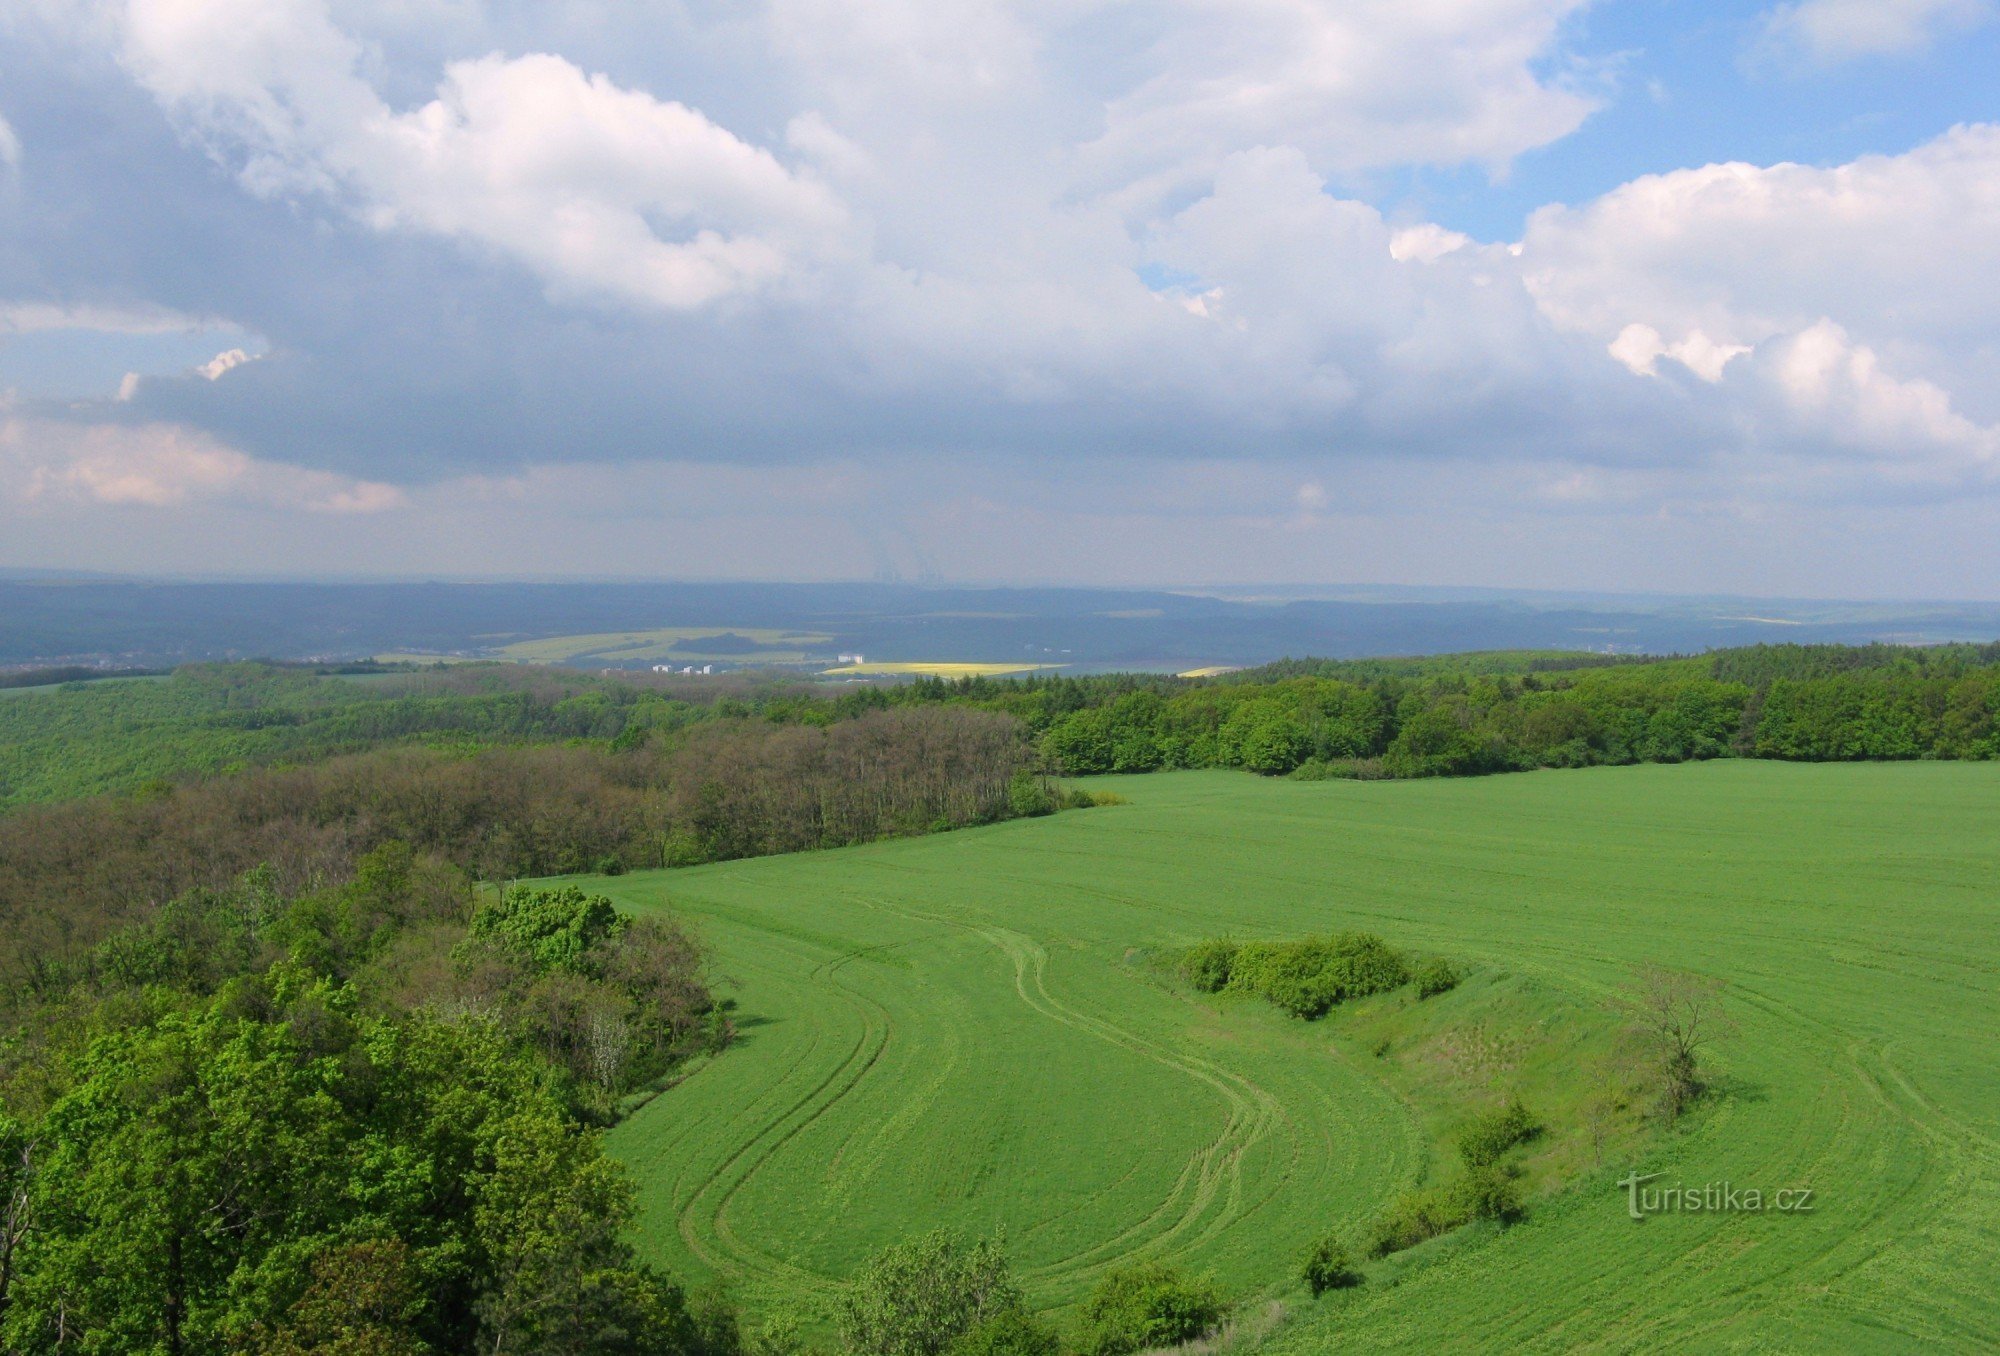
(1460, 715)
(291, 1062)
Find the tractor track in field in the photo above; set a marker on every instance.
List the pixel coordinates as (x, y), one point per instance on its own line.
(1954, 1151)
(761, 1147)
(1207, 1196)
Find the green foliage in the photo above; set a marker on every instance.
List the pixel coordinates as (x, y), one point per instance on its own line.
(1328, 1266)
(1488, 1192)
(1029, 795)
(1489, 1135)
(1206, 965)
(1011, 1332)
(274, 1169)
(1435, 976)
(1146, 1305)
(1414, 1217)
(1307, 978)
(558, 929)
(920, 1298)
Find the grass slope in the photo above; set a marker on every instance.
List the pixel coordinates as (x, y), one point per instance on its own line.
(959, 1030)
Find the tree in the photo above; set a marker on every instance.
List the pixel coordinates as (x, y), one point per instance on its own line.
(17, 1172)
(920, 1297)
(1328, 1266)
(363, 1301)
(550, 929)
(1147, 1305)
(1677, 1014)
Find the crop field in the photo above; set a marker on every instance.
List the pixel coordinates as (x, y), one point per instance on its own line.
(669, 642)
(938, 670)
(964, 1030)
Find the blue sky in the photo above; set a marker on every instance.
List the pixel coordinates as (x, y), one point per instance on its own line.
(1693, 83)
(1640, 294)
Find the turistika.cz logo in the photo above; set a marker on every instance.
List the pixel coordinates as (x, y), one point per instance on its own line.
(1710, 1198)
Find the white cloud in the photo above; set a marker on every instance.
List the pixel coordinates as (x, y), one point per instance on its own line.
(1353, 85)
(1426, 243)
(222, 362)
(1888, 244)
(603, 192)
(1861, 289)
(1831, 31)
(10, 145)
(1640, 348)
(161, 466)
(1847, 399)
(33, 317)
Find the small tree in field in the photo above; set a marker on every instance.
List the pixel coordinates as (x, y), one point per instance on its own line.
(918, 1298)
(1677, 1014)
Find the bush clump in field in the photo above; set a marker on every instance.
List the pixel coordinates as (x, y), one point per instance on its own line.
(1011, 1332)
(922, 1297)
(1306, 978)
(1328, 1267)
(1414, 1217)
(1207, 965)
(1435, 976)
(1148, 1305)
(1493, 1133)
(1487, 1192)
(1029, 794)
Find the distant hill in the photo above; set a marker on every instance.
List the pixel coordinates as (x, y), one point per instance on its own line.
(70, 618)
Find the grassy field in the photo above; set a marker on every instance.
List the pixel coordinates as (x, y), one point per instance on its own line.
(938, 670)
(964, 1030)
(681, 643)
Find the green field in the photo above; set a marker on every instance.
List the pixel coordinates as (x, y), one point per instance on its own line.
(963, 1030)
(682, 643)
(930, 669)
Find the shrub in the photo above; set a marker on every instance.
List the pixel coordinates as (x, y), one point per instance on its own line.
(1308, 977)
(1488, 1193)
(550, 929)
(1011, 1332)
(1365, 964)
(1327, 1267)
(1493, 1133)
(1435, 976)
(1207, 965)
(1416, 1216)
(919, 1298)
(1028, 794)
(1137, 1308)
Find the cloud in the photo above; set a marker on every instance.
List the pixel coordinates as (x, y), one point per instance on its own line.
(1640, 348)
(35, 317)
(1102, 266)
(1859, 288)
(1352, 86)
(10, 145)
(222, 362)
(1891, 244)
(1833, 31)
(602, 192)
(1842, 391)
(162, 466)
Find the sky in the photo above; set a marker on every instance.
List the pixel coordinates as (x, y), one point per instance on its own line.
(1647, 295)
